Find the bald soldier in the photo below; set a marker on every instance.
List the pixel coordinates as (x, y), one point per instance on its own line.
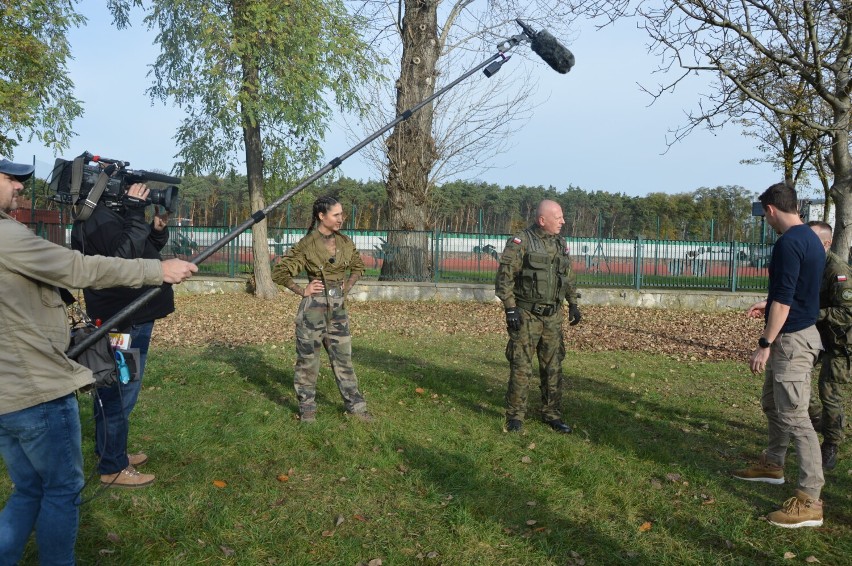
(534, 277)
(835, 328)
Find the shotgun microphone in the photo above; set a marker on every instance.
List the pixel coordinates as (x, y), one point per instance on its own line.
(548, 48)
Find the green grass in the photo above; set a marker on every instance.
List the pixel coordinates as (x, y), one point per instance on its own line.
(435, 480)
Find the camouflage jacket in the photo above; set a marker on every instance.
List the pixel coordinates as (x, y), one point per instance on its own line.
(835, 303)
(535, 267)
(311, 256)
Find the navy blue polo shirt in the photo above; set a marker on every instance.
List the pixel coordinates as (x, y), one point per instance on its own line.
(795, 274)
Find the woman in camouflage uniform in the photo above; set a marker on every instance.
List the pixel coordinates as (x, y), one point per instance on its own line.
(326, 256)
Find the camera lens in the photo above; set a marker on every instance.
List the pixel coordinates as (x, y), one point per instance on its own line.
(166, 197)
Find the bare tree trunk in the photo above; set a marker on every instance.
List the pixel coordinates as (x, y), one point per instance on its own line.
(411, 147)
(264, 287)
(841, 189)
(842, 238)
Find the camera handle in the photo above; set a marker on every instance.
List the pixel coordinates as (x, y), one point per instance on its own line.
(258, 216)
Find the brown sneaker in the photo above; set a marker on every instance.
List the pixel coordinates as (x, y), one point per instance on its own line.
(128, 478)
(801, 510)
(762, 471)
(137, 459)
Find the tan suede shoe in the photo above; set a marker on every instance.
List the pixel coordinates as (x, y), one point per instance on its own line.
(127, 478)
(137, 459)
(763, 471)
(801, 510)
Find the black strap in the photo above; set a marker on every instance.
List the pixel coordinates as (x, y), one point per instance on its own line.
(537, 308)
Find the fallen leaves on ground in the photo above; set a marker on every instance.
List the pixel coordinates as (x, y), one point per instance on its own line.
(236, 319)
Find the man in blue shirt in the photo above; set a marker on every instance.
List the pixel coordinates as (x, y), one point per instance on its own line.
(786, 352)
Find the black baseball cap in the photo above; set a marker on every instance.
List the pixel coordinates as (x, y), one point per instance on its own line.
(20, 171)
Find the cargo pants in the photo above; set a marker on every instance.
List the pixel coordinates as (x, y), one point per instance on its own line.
(785, 399)
(539, 337)
(324, 322)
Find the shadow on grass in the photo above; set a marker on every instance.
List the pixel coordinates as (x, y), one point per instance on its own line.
(467, 388)
(503, 501)
(702, 443)
(602, 412)
(658, 435)
(273, 381)
(601, 409)
(657, 430)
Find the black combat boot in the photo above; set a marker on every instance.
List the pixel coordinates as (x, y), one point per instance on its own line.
(559, 426)
(514, 425)
(829, 456)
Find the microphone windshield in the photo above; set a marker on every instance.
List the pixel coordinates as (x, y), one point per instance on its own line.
(554, 53)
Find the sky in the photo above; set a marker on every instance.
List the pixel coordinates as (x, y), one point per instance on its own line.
(595, 128)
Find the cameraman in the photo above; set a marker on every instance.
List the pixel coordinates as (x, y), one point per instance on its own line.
(40, 437)
(117, 228)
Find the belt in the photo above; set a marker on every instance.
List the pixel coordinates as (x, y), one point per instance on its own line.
(332, 288)
(541, 309)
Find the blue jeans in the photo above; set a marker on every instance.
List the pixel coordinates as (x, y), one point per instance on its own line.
(113, 406)
(40, 446)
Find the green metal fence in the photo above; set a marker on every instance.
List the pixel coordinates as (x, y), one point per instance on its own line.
(473, 258)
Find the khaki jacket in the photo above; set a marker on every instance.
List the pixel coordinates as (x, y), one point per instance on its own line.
(310, 255)
(34, 329)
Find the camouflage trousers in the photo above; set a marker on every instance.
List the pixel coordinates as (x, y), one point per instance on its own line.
(322, 321)
(541, 337)
(833, 376)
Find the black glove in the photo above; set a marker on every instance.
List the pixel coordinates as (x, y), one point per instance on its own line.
(574, 316)
(513, 318)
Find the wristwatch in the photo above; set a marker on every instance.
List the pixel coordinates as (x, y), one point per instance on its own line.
(763, 342)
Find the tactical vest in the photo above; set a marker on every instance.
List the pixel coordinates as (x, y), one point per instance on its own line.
(838, 292)
(543, 278)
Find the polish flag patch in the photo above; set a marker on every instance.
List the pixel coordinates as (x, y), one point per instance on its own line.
(841, 278)
(516, 240)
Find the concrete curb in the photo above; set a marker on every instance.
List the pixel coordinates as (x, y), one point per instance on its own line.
(693, 299)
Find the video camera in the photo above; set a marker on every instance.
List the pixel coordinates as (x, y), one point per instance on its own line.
(72, 181)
